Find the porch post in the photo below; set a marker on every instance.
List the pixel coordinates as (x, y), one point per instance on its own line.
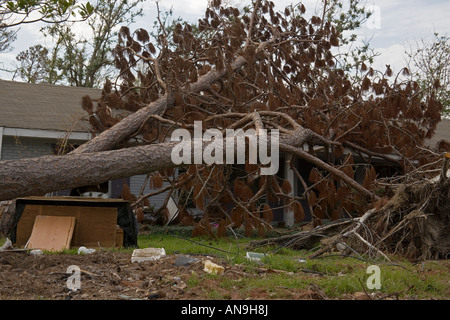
(288, 212)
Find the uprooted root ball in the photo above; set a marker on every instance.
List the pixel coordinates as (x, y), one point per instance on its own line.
(415, 222)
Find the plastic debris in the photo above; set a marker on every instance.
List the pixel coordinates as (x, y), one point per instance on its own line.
(184, 261)
(213, 268)
(255, 256)
(36, 252)
(84, 250)
(147, 254)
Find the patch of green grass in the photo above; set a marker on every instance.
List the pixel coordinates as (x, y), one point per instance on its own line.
(414, 282)
(399, 280)
(342, 283)
(278, 286)
(227, 248)
(337, 277)
(64, 251)
(194, 281)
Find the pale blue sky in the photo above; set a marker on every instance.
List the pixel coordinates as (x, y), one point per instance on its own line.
(401, 23)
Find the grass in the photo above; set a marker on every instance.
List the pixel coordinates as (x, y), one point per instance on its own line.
(336, 276)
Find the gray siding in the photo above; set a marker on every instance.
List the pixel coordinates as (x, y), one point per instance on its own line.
(136, 183)
(21, 148)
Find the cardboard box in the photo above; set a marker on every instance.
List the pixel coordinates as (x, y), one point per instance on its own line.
(96, 219)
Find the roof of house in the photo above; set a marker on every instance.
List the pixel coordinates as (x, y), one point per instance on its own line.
(43, 106)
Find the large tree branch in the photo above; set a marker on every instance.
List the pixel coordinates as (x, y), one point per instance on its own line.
(108, 139)
(45, 174)
(52, 173)
(325, 166)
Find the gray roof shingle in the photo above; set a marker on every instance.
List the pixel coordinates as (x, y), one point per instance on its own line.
(43, 106)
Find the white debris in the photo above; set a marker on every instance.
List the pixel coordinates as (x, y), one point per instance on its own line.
(255, 256)
(147, 254)
(84, 250)
(213, 268)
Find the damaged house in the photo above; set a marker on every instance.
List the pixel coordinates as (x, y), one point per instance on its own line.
(42, 119)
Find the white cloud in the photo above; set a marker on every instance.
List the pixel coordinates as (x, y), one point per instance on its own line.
(402, 23)
(403, 20)
(189, 8)
(393, 55)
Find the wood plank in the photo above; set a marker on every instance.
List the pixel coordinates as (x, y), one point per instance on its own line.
(96, 227)
(119, 237)
(25, 225)
(52, 233)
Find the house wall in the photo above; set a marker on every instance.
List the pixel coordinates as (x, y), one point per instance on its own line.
(21, 148)
(14, 148)
(136, 183)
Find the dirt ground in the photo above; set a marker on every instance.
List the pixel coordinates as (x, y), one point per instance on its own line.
(104, 276)
(112, 276)
(107, 275)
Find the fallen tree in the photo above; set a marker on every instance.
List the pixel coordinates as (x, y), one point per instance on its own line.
(46, 174)
(252, 70)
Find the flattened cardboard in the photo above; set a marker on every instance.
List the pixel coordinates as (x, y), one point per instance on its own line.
(52, 233)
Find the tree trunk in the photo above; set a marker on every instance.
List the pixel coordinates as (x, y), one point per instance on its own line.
(46, 174)
(37, 176)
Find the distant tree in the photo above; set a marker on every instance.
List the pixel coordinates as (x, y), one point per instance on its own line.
(83, 60)
(7, 37)
(431, 66)
(15, 13)
(33, 64)
(348, 17)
